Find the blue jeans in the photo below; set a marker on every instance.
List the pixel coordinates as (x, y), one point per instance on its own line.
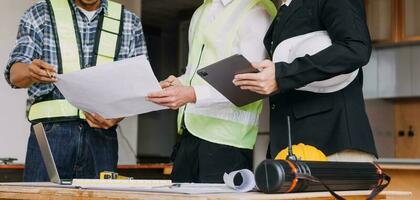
(79, 151)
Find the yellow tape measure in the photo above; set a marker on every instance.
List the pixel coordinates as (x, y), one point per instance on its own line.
(113, 175)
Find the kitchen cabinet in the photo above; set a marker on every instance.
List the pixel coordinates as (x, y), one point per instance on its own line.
(415, 67)
(381, 118)
(407, 125)
(410, 20)
(382, 24)
(370, 77)
(394, 72)
(393, 21)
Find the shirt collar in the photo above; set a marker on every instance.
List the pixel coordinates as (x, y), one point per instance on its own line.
(287, 3)
(103, 6)
(224, 2)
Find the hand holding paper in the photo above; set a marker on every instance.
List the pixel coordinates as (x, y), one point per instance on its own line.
(173, 97)
(112, 90)
(174, 94)
(97, 121)
(170, 81)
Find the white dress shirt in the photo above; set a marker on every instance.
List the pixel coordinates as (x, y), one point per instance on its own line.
(249, 43)
(287, 3)
(89, 14)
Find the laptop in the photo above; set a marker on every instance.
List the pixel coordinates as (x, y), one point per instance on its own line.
(221, 74)
(48, 157)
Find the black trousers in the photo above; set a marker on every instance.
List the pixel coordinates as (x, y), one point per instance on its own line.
(200, 161)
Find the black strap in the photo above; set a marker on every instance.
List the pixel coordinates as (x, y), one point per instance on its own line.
(78, 36)
(316, 180)
(56, 39)
(378, 189)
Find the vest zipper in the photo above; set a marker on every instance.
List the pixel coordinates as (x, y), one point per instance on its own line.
(198, 64)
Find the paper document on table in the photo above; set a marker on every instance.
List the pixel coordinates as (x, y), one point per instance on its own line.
(166, 186)
(112, 90)
(116, 183)
(180, 188)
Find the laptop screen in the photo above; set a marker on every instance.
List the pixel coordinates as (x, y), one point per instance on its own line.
(46, 153)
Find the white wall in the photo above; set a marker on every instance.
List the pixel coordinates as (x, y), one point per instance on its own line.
(14, 128)
(127, 137)
(132, 5)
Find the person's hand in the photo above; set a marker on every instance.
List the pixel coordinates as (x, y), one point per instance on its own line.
(41, 72)
(263, 82)
(170, 81)
(173, 97)
(97, 121)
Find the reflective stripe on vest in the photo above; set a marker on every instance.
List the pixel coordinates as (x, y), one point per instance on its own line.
(69, 54)
(226, 112)
(66, 36)
(54, 109)
(221, 123)
(111, 29)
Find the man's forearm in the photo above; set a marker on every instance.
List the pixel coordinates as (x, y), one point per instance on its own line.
(19, 75)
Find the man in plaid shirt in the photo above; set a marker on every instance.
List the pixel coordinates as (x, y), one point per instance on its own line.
(81, 148)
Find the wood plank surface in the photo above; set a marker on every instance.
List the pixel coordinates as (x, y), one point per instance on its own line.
(18, 192)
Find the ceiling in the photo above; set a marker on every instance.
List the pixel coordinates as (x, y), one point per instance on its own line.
(158, 13)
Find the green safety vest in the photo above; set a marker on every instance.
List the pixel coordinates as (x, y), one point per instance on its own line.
(222, 123)
(70, 59)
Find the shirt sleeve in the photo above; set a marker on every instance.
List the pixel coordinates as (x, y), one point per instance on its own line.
(184, 77)
(138, 43)
(29, 40)
(249, 44)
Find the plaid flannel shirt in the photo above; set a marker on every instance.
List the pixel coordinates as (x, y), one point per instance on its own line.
(35, 40)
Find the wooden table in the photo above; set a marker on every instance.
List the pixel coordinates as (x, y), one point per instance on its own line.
(19, 192)
(404, 177)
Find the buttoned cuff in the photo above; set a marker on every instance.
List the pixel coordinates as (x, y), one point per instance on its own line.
(182, 79)
(202, 94)
(284, 83)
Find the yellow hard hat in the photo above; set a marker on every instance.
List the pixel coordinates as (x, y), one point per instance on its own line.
(303, 152)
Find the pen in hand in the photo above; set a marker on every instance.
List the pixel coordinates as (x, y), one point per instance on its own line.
(41, 72)
(49, 74)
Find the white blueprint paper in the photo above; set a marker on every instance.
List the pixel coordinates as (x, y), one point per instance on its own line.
(248, 181)
(112, 90)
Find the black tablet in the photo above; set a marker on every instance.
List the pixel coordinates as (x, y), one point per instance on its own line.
(221, 74)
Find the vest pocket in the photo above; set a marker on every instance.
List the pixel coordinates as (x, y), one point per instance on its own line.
(311, 104)
(50, 128)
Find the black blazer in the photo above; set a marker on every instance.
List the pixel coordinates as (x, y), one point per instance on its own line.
(331, 122)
